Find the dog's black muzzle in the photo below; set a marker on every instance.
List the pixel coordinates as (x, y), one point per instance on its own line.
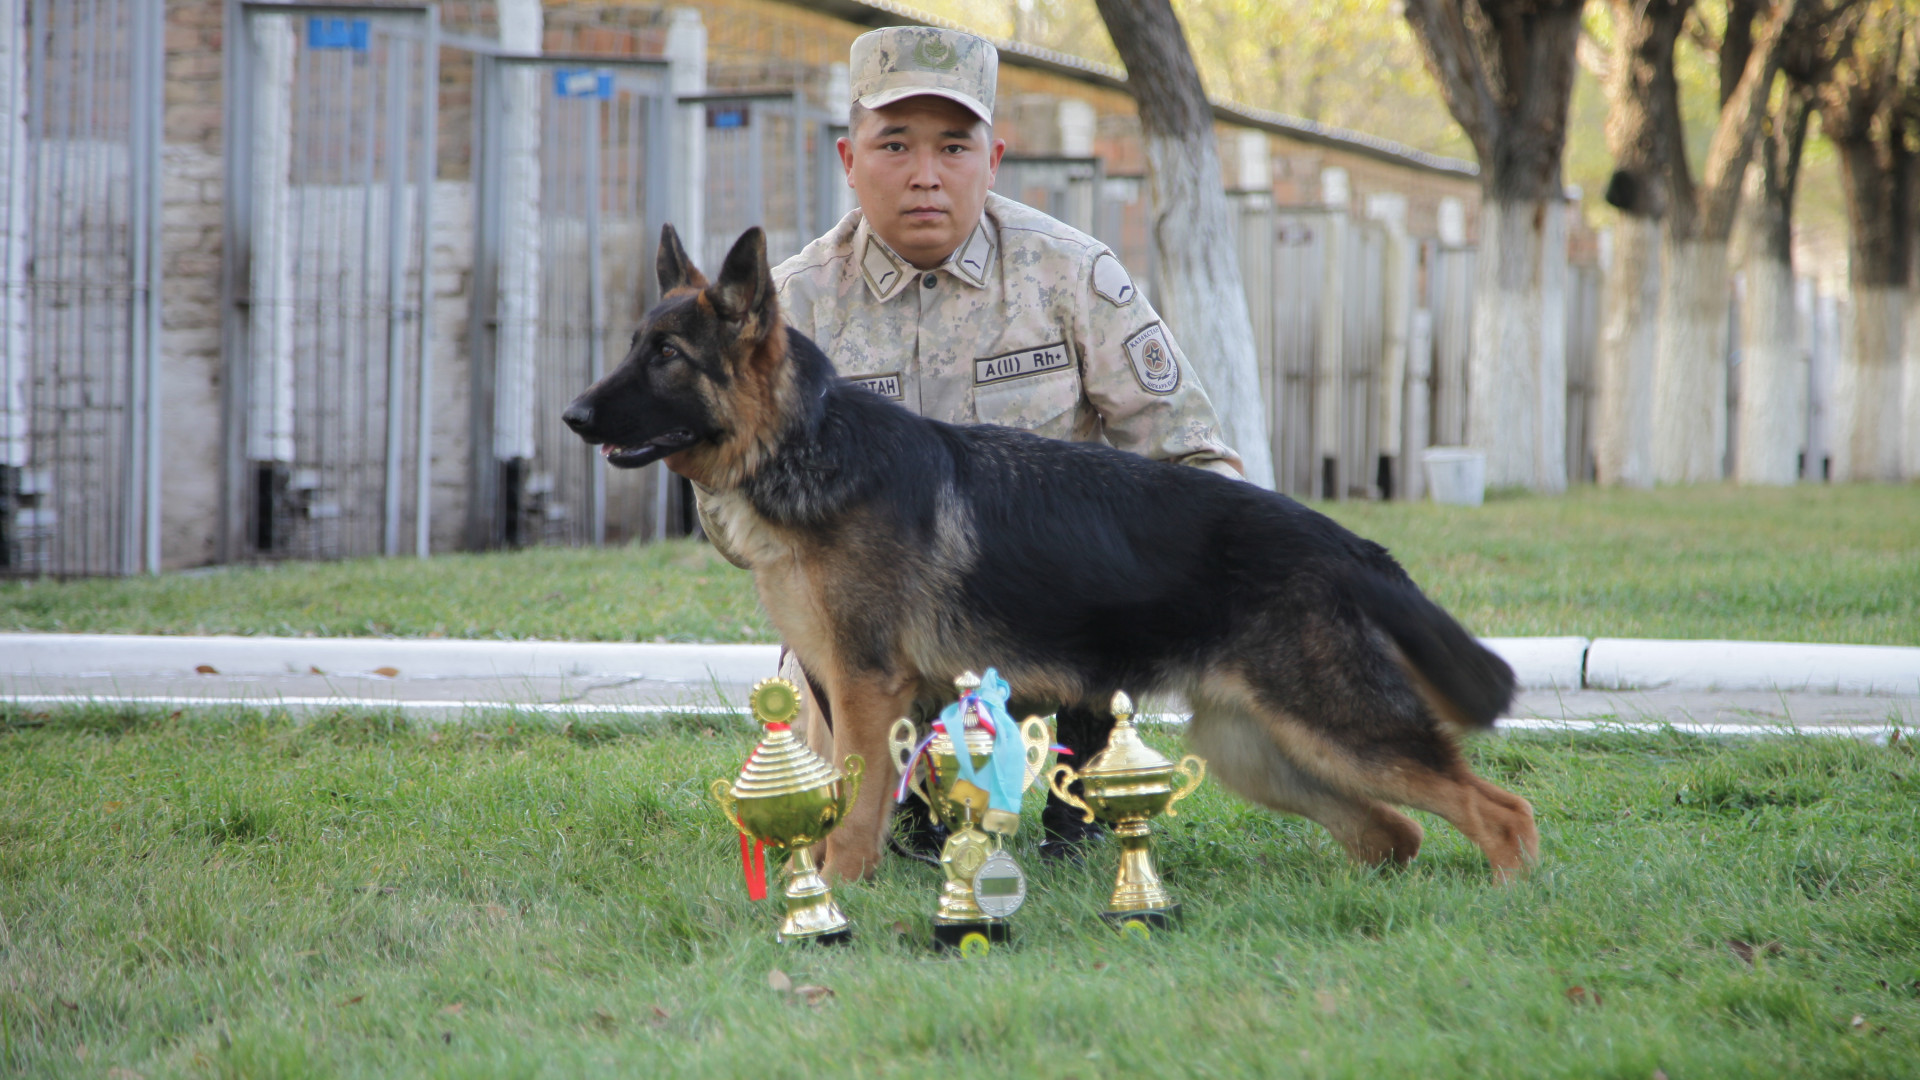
(621, 454)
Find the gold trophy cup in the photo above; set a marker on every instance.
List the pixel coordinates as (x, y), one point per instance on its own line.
(786, 797)
(983, 884)
(1126, 786)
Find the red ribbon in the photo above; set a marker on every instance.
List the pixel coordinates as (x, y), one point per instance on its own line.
(753, 866)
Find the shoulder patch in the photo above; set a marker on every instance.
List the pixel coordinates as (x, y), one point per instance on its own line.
(1111, 281)
(1152, 358)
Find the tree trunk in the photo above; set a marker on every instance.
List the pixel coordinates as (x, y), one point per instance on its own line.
(1771, 430)
(1631, 294)
(1196, 260)
(1642, 134)
(1867, 392)
(1690, 362)
(1506, 69)
(1690, 351)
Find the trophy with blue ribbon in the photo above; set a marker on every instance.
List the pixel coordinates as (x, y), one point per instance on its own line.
(972, 769)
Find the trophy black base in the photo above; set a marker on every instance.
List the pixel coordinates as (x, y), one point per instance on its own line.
(1144, 922)
(842, 936)
(967, 937)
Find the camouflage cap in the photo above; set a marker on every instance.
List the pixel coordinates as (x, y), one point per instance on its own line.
(899, 62)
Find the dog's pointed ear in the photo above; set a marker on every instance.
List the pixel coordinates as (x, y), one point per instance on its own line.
(744, 292)
(675, 269)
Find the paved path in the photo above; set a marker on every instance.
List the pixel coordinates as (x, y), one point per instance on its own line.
(450, 680)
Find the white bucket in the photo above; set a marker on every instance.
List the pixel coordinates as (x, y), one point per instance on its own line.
(1456, 475)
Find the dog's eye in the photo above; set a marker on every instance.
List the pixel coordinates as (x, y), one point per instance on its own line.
(668, 352)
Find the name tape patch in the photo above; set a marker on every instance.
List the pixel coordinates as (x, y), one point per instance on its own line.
(887, 386)
(1152, 358)
(1024, 362)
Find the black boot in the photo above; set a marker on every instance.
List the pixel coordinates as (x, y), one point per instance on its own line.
(915, 834)
(1065, 830)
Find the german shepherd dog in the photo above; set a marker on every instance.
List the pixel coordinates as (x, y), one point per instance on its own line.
(893, 552)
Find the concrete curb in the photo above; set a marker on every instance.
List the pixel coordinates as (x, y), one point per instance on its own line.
(412, 658)
(1562, 663)
(1639, 664)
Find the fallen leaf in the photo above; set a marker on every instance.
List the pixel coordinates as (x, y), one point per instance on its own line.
(175, 714)
(1858, 1023)
(389, 672)
(354, 1000)
(1747, 950)
(312, 670)
(900, 927)
(813, 995)
(113, 805)
(1101, 966)
(1580, 995)
(64, 1003)
(603, 1020)
(779, 981)
(207, 669)
(118, 1073)
(1329, 1004)
(495, 911)
(306, 953)
(660, 1013)
(436, 633)
(80, 1051)
(454, 1009)
(1659, 1074)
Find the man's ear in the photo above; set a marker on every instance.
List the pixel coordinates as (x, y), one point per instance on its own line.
(675, 269)
(744, 292)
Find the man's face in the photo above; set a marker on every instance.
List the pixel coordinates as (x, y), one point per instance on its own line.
(921, 167)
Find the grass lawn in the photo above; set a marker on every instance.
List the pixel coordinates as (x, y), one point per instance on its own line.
(234, 894)
(1812, 563)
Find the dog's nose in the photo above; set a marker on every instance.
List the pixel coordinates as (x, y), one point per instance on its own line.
(579, 416)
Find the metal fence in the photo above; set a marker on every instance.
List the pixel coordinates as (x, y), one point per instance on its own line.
(572, 187)
(79, 286)
(771, 162)
(331, 122)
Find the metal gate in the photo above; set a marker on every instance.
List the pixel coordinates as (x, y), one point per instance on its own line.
(79, 286)
(1067, 189)
(771, 162)
(573, 184)
(330, 128)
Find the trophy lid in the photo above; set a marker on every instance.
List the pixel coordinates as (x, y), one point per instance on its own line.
(781, 764)
(1125, 752)
(979, 739)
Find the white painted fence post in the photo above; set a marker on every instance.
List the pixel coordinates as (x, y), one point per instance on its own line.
(270, 401)
(1390, 210)
(686, 50)
(1329, 365)
(520, 249)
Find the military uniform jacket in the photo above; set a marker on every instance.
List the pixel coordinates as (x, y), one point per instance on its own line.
(1030, 324)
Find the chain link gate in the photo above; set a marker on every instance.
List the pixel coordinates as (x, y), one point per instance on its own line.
(331, 129)
(572, 185)
(79, 286)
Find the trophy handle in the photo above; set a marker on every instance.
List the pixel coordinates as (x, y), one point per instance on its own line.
(855, 767)
(904, 736)
(1195, 770)
(1037, 738)
(723, 794)
(1059, 778)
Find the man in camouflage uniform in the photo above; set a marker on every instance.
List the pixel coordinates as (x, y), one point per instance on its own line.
(968, 307)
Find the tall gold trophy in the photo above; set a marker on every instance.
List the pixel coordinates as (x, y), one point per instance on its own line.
(787, 797)
(983, 886)
(1126, 786)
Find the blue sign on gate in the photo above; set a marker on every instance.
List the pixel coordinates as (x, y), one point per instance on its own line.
(594, 83)
(337, 34)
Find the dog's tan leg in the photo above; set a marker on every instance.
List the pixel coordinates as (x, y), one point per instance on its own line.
(864, 708)
(1242, 757)
(1499, 821)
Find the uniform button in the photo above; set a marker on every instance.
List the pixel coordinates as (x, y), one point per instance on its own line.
(928, 281)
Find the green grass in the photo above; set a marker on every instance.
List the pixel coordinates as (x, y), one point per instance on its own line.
(1813, 563)
(237, 895)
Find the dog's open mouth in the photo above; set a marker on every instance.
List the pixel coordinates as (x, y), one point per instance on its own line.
(632, 457)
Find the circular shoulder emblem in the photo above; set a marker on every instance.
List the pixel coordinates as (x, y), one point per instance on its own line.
(1151, 355)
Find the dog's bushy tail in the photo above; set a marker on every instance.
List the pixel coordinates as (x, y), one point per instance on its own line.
(1471, 677)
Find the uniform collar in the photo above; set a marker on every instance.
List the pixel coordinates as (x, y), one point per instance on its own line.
(887, 274)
